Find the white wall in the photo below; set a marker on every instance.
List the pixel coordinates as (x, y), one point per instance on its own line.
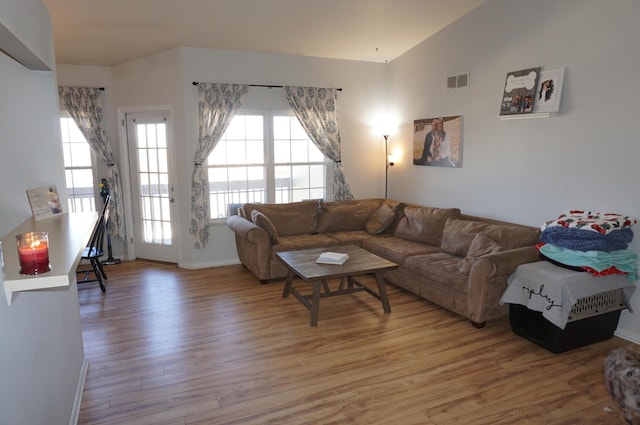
(41, 354)
(527, 171)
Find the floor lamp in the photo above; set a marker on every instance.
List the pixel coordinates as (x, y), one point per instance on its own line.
(387, 164)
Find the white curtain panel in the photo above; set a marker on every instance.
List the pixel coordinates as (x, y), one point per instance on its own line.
(85, 107)
(217, 104)
(316, 110)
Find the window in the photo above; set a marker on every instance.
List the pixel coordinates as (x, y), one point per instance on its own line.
(78, 167)
(264, 156)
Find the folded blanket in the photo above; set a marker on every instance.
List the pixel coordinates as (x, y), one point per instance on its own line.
(593, 272)
(593, 221)
(581, 240)
(624, 260)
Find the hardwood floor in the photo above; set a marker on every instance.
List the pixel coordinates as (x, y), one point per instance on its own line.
(174, 347)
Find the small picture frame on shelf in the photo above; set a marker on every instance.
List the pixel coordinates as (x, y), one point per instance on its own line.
(44, 202)
(549, 91)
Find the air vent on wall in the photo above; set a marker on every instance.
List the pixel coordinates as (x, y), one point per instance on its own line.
(460, 81)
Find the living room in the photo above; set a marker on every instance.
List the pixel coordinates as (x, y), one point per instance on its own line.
(524, 171)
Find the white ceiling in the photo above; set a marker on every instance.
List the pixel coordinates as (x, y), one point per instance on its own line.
(109, 32)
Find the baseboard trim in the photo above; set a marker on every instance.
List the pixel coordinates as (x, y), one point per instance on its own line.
(75, 412)
(208, 264)
(629, 336)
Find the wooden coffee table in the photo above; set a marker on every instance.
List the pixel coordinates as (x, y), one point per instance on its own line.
(302, 263)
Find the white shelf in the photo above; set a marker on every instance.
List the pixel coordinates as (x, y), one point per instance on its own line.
(525, 116)
(68, 235)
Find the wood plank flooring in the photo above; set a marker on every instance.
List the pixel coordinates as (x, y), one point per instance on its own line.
(169, 346)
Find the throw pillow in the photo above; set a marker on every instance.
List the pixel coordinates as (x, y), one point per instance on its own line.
(481, 245)
(381, 219)
(424, 224)
(294, 218)
(458, 235)
(340, 216)
(511, 237)
(266, 224)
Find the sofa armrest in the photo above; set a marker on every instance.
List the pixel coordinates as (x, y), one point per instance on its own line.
(506, 262)
(248, 230)
(488, 281)
(253, 245)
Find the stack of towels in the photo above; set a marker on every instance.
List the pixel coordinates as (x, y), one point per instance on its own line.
(590, 241)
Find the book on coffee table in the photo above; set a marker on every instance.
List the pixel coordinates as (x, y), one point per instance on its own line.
(332, 258)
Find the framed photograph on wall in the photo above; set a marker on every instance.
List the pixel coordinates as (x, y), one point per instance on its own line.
(519, 92)
(437, 142)
(549, 91)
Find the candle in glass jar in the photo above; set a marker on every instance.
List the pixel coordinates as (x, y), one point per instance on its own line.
(33, 252)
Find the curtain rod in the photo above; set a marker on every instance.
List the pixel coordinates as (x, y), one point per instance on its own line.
(195, 83)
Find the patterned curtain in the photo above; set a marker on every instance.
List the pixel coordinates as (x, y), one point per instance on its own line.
(85, 107)
(316, 111)
(217, 104)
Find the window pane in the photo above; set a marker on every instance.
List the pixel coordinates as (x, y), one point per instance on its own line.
(297, 132)
(240, 170)
(151, 136)
(317, 194)
(299, 151)
(219, 154)
(162, 136)
(236, 130)
(281, 127)
(236, 153)
(254, 128)
(78, 167)
(316, 176)
(299, 195)
(300, 176)
(255, 152)
(142, 136)
(314, 153)
(281, 151)
(163, 167)
(80, 155)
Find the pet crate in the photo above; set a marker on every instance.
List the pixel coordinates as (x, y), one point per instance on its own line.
(592, 319)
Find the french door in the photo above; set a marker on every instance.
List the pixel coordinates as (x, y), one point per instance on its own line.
(151, 186)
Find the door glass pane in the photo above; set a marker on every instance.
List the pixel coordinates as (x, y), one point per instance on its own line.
(154, 189)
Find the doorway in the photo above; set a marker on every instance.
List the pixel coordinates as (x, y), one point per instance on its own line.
(152, 189)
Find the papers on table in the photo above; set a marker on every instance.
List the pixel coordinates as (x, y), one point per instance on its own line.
(332, 258)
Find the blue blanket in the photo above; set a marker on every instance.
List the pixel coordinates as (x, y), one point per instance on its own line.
(583, 240)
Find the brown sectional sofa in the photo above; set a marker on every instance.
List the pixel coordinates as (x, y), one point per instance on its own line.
(457, 261)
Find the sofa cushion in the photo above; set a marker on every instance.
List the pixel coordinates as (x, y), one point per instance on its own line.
(294, 242)
(424, 224)
(263, 221)
(458, 234)
(382, 218)
(481, 245)
(511, 237)
(295, 218)
(440, 267)
(352, 237)
(396, 249)
(339, 216)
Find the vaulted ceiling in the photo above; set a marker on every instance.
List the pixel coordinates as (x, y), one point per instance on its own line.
(109, 32)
